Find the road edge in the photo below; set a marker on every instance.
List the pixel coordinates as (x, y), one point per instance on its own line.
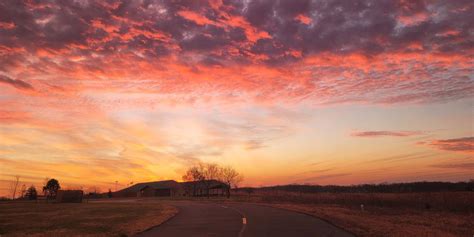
(294, 210)
(244, 218)
(163, 222)
(308, 214)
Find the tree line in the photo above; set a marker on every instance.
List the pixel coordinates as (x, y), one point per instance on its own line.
(50, 189)
(372, 188)
(206, 174)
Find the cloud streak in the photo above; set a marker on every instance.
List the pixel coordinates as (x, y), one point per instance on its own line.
(467, 166)
(463, 144)
(386, 133)
(19, 84)
(316, 179)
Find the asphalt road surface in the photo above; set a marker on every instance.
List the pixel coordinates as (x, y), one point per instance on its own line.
(241, 220)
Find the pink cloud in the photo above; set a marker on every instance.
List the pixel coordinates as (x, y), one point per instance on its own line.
(463, 144)
(182, 51)
(386, 133)
(19, 84)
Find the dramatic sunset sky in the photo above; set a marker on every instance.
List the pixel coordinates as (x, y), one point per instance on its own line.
(321, 92)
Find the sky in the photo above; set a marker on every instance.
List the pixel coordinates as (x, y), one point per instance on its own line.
(309, 92)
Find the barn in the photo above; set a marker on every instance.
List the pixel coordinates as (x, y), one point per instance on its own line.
(150, 191)
(165, 188)
(171, 188)
(200, 188)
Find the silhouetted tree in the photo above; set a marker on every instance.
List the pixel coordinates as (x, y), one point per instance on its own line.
(230, 177)
(109, 194)
(193, 175)
(16, 181)
(206, 174)
(31, 193)
(51, 188)
(211, 172)
(22, 191)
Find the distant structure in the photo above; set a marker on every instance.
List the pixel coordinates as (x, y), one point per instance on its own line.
(200, 188)
(69, 196)
(170, 188)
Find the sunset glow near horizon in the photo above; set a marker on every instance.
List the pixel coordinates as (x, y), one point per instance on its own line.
(319, 92)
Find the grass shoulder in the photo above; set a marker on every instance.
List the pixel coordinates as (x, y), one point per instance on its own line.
(113, 218)
(397, 214)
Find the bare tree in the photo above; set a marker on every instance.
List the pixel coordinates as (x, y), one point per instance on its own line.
(211, 173)
(230, 177)
(193, 175)
(45, 181)
(206, 174)
(23, 191)
(15, 182)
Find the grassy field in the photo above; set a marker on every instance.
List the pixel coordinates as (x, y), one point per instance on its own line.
(84, 219)
(384, 214)
(390, 222)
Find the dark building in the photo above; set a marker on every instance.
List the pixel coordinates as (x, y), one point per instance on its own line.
(150, 191)
(200, 188)
(170, 188)
(165, 188)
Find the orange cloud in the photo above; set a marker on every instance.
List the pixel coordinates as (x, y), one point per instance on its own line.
(7, 25)
(227, 21)
(303, 19)
(413, 19)
(196, 18)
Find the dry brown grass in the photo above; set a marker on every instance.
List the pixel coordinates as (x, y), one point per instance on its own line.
(81, 219)
(440, 201)
(390, 222)
(385, 214)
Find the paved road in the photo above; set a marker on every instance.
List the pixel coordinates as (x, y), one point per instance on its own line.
(240, 220)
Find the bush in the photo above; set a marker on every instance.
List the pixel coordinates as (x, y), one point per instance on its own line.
(31, 193)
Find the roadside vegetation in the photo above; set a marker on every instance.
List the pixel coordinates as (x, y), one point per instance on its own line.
(378, 214)
(207, 173)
